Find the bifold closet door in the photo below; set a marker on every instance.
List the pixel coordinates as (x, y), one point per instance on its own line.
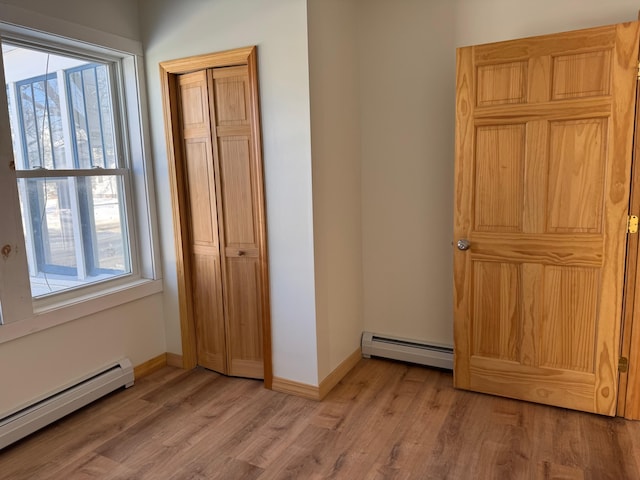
(240, 226)
(202, 214)
(222, 176)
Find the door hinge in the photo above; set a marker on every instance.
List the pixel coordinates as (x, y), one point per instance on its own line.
(623, 364)
(638, 72)
(632, 224)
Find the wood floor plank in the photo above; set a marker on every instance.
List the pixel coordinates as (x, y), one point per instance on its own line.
(278, 434)
(384, 420)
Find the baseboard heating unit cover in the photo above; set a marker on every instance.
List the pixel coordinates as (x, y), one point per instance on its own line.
(406, 350)
(26, 420)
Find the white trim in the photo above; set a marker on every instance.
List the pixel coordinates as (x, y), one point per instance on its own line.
(57, 314)
(78, 172)
(145, 214)
(30, 316)
(33, 417)
(14, 274)
(16, 19)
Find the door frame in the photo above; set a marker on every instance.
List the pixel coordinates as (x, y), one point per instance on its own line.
(629, 381)
(169, 72)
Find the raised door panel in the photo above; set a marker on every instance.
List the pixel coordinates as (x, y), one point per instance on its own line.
(581, 75)
(502, 83)
(577, 168)
(497, 308)
(237, 191)
(500, 160)
(567, 327)
(243, 308)
(238, 170)
(544, 131)
(232, 96)
(208, 311)
(206, 274)
(199, 176)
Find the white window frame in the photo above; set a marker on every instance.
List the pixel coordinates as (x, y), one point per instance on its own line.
(20, 314)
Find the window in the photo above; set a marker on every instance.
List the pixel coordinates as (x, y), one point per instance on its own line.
(77, 224)
(71, 175)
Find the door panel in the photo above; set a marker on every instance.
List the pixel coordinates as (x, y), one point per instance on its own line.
(544, 131)
(245, 334)
(208, 311)
(577, 161)
(200, 182)
(235, 174)
(500, 178)
(237, 171)
(497, 309)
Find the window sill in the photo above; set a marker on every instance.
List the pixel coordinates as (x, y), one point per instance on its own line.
(58, 313)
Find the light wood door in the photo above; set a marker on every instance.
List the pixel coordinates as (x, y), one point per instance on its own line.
(222, 177)
(238, 172)
(544, 130)
(206, 275)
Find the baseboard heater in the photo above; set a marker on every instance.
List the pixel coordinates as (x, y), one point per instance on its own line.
(374, 345)
(26, 420)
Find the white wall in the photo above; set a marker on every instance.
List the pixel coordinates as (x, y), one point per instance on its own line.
(279, 28)
(407, 78)
(38, 363)
(407, 119)
(405, 82)
(118, 17)
(497, 20)
(42, 362)
(335, 148)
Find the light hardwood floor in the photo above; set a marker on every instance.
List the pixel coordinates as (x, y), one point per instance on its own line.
(384, 420)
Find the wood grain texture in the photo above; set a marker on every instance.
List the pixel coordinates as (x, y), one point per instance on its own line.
(202, 210)
(261, 214)
(237, 56)
(238, 120)
(382, 420)
(568, 318)
(496, 308)
(338, 373)
(578, 41)
(171, 111)
(150, 366)
(500, 162)
(502, 83)
(581, 75)
(587, 108)
(238, 170)
(174, 360)
(629, 383)
(538, 297)
(577, 169)
(299, 389)
(463, 204)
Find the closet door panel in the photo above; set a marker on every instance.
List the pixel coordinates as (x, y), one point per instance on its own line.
(243, 311)
(238, 171)
(206, 272)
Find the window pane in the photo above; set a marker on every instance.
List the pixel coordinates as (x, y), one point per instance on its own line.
(79, 120)
(50, 215)
(64, 116)
(42, 132)
(106, 116)
(77, 228)
(29, 128)
(107, 228)
(92, 118)
(61, 112)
